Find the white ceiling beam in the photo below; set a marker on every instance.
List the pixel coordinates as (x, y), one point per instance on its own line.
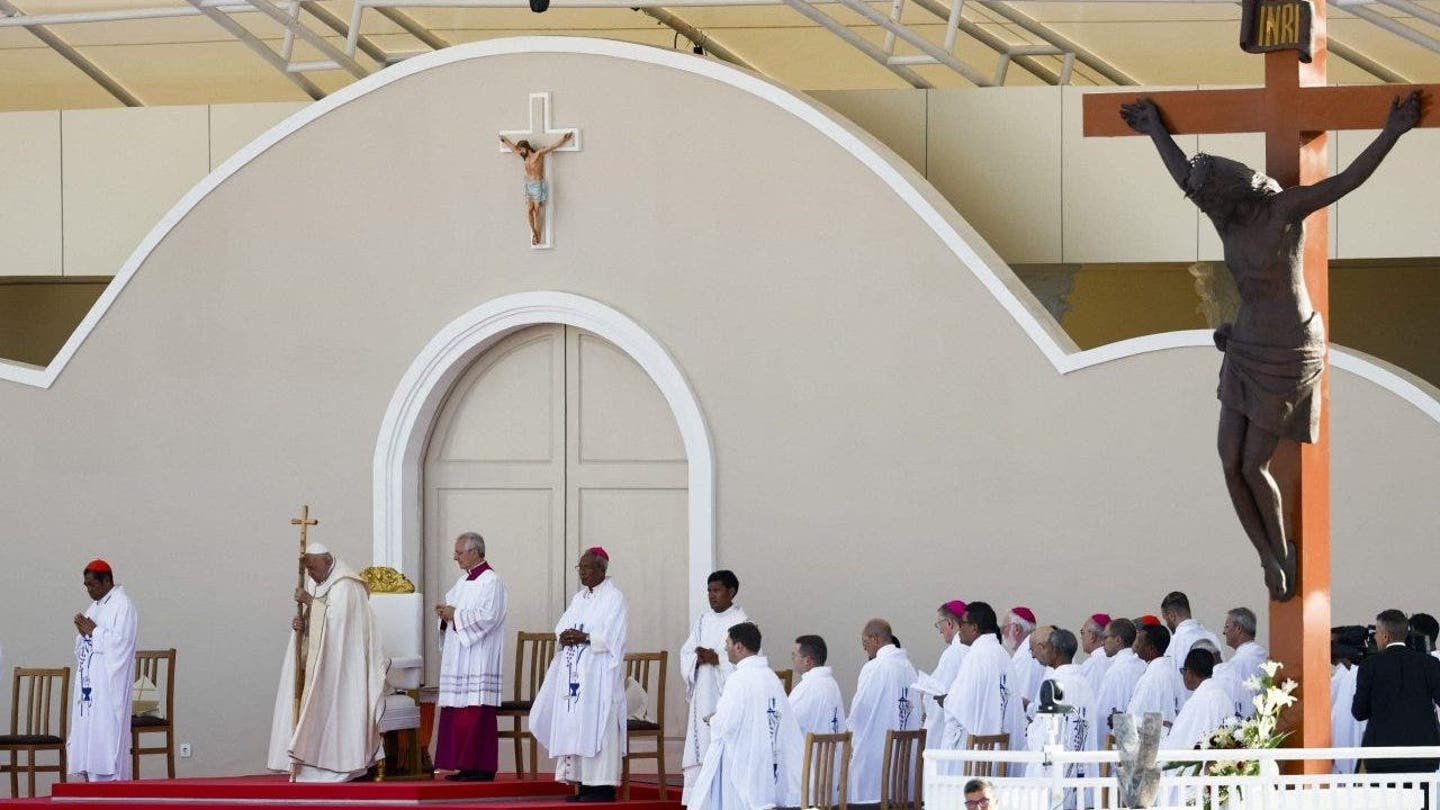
(74, 57)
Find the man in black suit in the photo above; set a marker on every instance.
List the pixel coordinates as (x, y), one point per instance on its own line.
(1397, 691)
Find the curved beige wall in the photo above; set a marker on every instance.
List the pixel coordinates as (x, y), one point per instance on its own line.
(886, 436)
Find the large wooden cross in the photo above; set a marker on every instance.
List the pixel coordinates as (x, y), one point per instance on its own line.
(1294, 109)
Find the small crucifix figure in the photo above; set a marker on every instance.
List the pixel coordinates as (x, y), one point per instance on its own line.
(539, 190)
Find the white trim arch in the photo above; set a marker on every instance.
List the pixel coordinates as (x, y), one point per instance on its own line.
(400, 448)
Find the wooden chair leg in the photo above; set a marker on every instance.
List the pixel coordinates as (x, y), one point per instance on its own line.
(14, 774)
(170, 752)
(534, 760)
(625, 779)
(134, 753)
(64, 763)
(519, 752)
(660, 763)
(31, 769)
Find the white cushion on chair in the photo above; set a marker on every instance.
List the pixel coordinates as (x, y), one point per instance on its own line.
(401, 712)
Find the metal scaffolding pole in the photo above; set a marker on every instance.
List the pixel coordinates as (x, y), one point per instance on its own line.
(74, 57)
(701, 39)
(1053, 37)
(860, 43)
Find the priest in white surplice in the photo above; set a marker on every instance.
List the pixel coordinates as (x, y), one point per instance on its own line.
(1184, 630)
(754, 758)
(98, 749)
(704, 669)
(1244, 664)
(884, 700)
(1159, 689)
(1345, 730)
(472, 652)
(978, 700)
(1076, 729)
(1025, 672)
(1097, 655)
(1209, 707)
(579, 712)
(337, 737)
(1125, 670)
(947, 621)
(815, 698)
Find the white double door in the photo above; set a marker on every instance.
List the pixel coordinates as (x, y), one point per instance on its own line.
(553, 442)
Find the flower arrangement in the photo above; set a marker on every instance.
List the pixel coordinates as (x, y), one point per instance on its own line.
(1260, 730)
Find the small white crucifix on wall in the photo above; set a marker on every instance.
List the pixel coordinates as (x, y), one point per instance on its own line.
(533, 145)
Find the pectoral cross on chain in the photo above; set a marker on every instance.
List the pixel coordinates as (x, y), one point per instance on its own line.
(539, 186)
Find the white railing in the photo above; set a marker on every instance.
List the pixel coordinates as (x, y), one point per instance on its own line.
(1037, 780)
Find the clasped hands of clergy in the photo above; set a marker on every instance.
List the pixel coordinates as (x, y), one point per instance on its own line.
(705, 655)
(84, 625)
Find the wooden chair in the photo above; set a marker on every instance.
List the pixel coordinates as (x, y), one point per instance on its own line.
(533, 652)
(987, 742)
(648, 669)
(903, 774)
(819, 786)
(36, 690)
(787, 678)
(1108, 768)
(157, 666)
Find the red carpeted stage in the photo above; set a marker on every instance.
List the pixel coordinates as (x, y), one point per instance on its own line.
(250, 792)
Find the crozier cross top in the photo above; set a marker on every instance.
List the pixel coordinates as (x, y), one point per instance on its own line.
(535, 144)
(1294, 110)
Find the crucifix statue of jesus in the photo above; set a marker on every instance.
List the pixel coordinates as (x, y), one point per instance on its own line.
(1275, 349)
(537, 190)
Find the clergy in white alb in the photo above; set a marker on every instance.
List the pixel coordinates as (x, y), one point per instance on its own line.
(1025, 672)
(1209, 707)
(1159, 689)
(1075, 730)
(978, 700)
(815, 699)
(933, 685)
(98, 748)
(704, 669)
(1184, 630)
(754, 758)
(1244, 664)
(1097, 656)
(1125, 670)
(337, 736)
(472, 652)
(884, 701)
(579, 712)
(1345, 730)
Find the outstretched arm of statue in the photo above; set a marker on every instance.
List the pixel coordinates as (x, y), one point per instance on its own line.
(1300, 201)
(1144, 117)
(568, 137)
(509, 144)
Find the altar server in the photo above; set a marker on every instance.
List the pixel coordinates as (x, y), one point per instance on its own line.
(884, 700)
(472, 651)
(704, 668)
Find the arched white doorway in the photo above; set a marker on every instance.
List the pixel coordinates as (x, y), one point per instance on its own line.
(411, 415)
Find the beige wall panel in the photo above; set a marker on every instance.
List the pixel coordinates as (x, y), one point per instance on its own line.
(123, 170)
(233, 126)
(996, 156)
(30, 194)
(1248, 148)
(508, 413)
(896, 117)
(623, 417)
(1119, 202)
(886, 437)
(1393, 214)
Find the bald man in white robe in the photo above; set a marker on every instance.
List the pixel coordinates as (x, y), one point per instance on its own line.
(885, 700)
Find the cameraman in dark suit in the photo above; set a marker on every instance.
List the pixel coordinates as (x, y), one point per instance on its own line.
(1397, 691)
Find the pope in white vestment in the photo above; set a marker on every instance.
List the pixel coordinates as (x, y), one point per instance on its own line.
(885, 699)
(472, 652)
(579, 712)
(337, 736)
(704, 679)
(754, 758)
(98, 749)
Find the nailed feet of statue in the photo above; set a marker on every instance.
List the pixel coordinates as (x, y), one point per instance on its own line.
(1280, 575)
(471, 776)
(593, 793)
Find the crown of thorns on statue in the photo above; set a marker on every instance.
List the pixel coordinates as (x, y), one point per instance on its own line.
(1215, 177)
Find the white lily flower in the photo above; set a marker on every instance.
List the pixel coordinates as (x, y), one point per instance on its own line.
(1270, 668)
